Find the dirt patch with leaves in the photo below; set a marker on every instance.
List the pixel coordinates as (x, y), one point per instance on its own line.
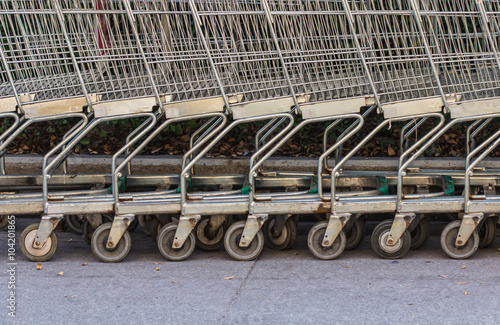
(108, 137)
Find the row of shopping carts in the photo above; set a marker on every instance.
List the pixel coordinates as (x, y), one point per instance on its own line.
(426, 65)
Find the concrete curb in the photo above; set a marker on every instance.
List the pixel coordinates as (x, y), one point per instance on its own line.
(17, 164)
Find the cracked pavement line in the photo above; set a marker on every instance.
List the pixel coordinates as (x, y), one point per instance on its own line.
(238, 292)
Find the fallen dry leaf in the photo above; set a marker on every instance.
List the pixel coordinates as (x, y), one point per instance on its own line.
(390, 151)
(60, 273)
(295, 253)
(157, 269)
(444, 276)
(229, 277)
(347, 266)
(174, 282)
(39, 266)
(157, 263)
(428, 262)
(70, 240)
(466, 293)
(249, 265)
(84, 264)
(462, 282)
(463, 267)
(73, 296)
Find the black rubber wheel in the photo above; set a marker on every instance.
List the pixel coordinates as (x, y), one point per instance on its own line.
(320, 216)
(145, 222)
(315, 240)
(4, 223)
(282, 241)
(165, 240)
(355, 235)
(207, 242)
(75, 223)
(33, 254)
(155, 225)
(88, 230)
(232, 241)
(379, 238)
(293, 233)
(487, 233)
(133, 225)
(448, 238)
(154, 228)
(99, 240)
(420, 234)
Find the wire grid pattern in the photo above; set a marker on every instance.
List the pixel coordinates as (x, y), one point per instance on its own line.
(5, 85)
(308, 47)
(108, 53)
(36, 51)
(317, 43)
(391, 43)
(461, 49)
(245, 54)
(492, 8)
(174, 50)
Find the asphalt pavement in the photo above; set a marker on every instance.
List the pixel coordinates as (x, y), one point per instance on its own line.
(287, 287)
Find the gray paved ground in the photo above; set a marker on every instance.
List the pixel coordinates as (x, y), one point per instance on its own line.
(278, 288)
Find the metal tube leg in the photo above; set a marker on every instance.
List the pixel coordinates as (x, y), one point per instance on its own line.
(120, 225)
(214, 224)
(336, 223)
(279, 223)
(46, 228)
(95, 220)
(399, 226)
(184, 228)
(252, 227)
(467, 227)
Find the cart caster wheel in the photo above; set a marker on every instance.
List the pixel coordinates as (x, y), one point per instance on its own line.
(320, 217)
(210, 243)
(355, 235)
(4, 222)
(144, 221)
(133, 225)
(315, 240)
(154, 228)
(75, 223)
(88, 230)
(487, 233)
(420, 234)
(232, 240)
(293, 234)
(283, 240)
(166, 239)
(448, 237)
(99, 240)
(33, 254)
(379, 238)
